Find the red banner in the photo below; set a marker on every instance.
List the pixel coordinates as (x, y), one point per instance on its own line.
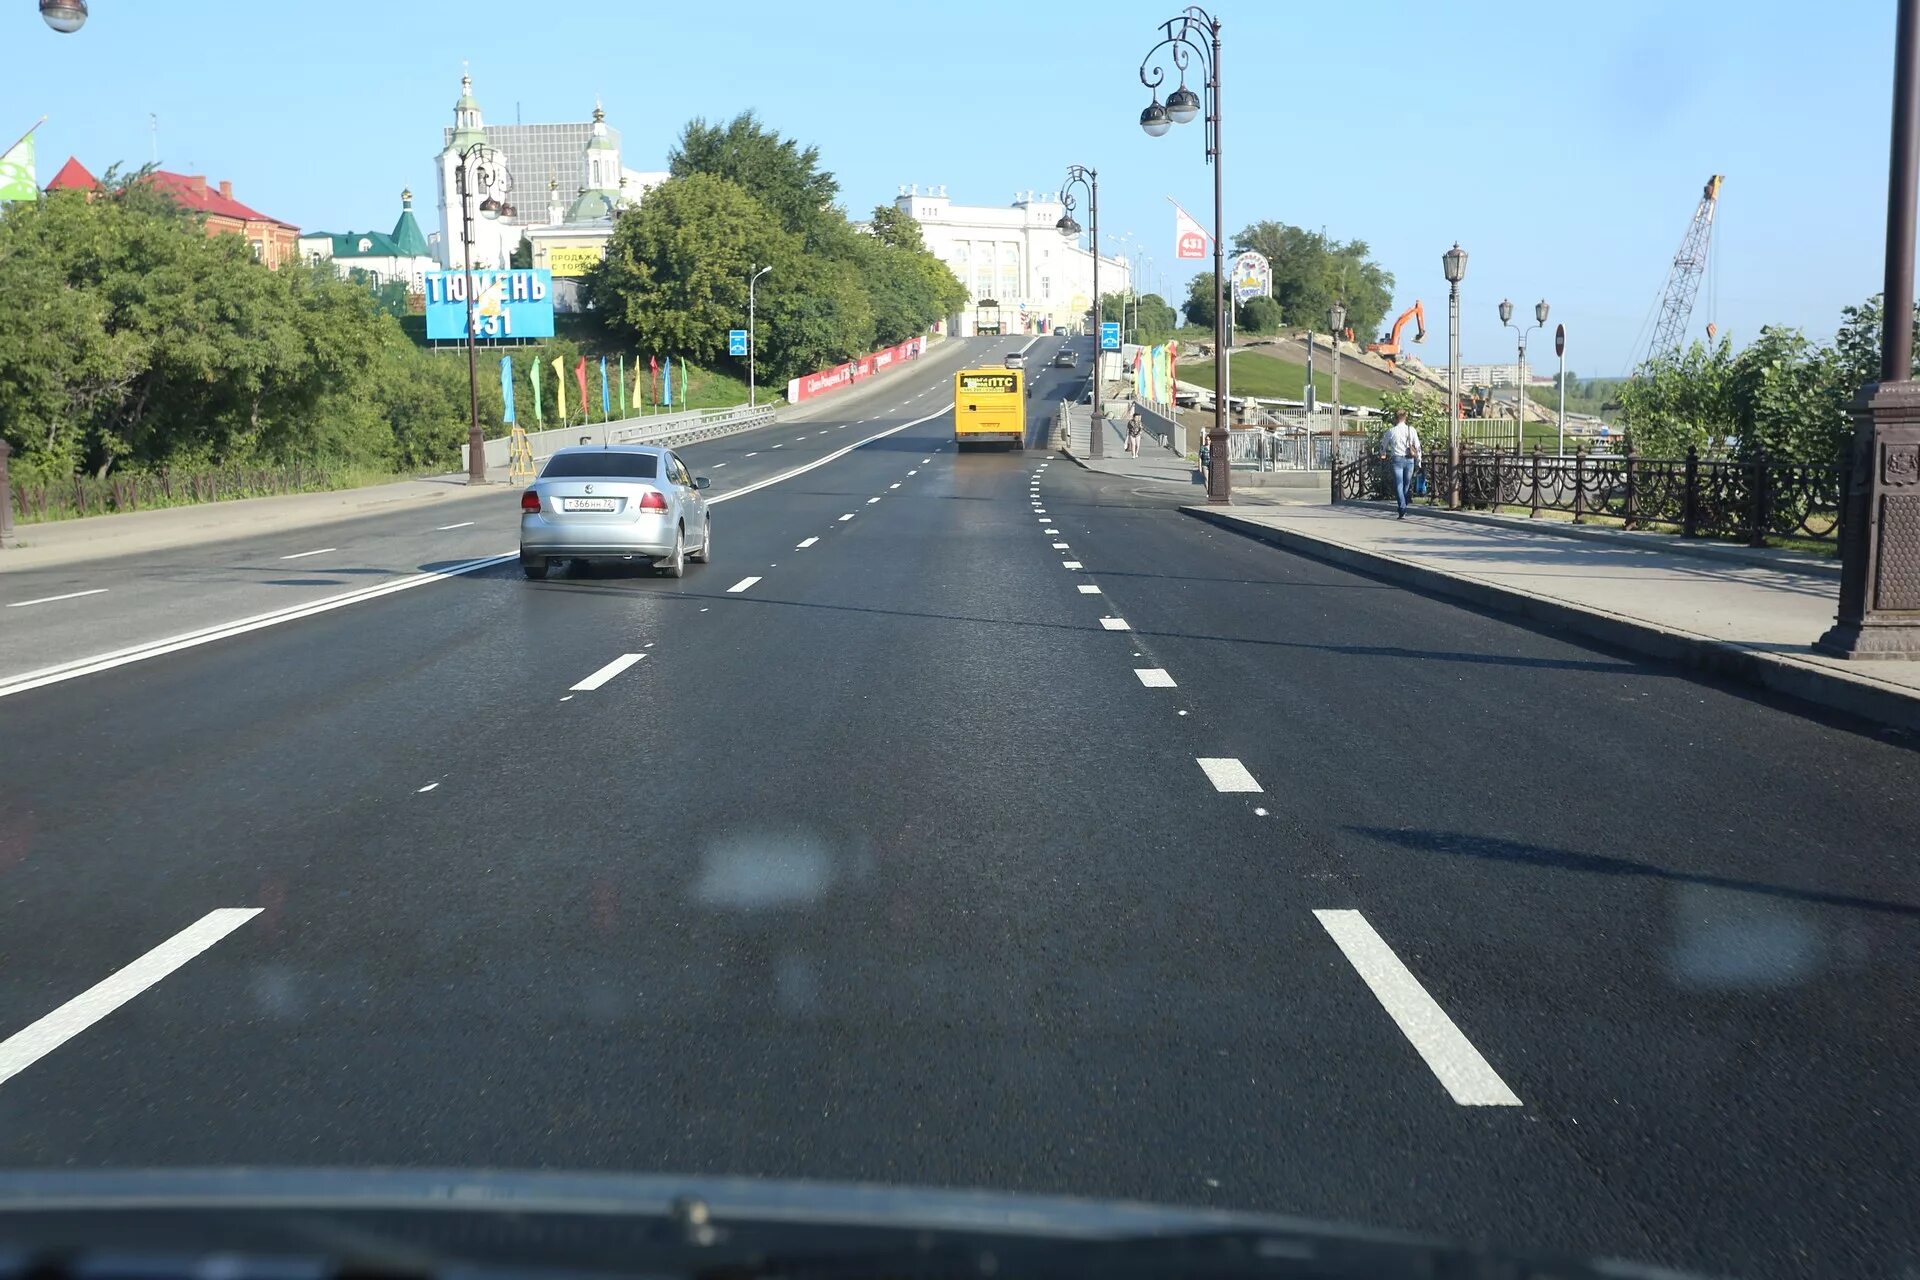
(815, 385)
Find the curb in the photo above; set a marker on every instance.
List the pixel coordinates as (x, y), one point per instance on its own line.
(1705, 549)
(1776, 673)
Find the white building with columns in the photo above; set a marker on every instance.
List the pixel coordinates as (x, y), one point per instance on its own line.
(1016, 256)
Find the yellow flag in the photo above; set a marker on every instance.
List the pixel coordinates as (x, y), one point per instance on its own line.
(560, 387)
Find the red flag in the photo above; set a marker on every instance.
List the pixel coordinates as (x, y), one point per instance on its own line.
(653, 376)
(580, 377)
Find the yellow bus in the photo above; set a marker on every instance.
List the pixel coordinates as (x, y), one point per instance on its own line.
(990, 405)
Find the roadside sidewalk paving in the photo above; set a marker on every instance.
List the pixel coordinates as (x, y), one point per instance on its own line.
(59, 542)
(1156, 461)
(1747, 619)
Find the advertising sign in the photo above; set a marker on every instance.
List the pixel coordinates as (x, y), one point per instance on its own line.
(1252, 277)
(571, 260)
(814, 385)
(1109, 335)
(515, 303)
(1189, 240)
(736, 342)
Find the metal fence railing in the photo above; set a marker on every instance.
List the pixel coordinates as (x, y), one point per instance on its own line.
(665, 428)
(80, 495)
(1754, 500)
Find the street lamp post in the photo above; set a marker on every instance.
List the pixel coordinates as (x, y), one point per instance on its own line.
(752, 281)
(1879, 615)
(1454, 263)
(1338, 317)
(1522, 329)
(1195, 33)
(480, 166)
(1080, 175)
(64, 16)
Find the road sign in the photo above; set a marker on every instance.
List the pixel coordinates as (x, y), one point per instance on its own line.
(736, 342)
(1109, 335)
(1559, 339)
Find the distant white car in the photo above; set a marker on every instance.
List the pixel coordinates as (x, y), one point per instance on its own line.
(1016, 361)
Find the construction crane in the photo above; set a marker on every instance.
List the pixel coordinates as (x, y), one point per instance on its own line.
(1389, 345)
(1683, 278)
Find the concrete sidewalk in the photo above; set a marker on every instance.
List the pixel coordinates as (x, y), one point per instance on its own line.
(1156, 462)
(1745, 619)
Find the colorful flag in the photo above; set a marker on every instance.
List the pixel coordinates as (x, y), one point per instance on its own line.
(506, 389)
(560, 389)
(686, 381)
(666, 385)
(606, 397)
(622, 381)
(533, 376)
(580, 378)
(639, 391)
(1190, 240)
(16, 172)
(653, 376)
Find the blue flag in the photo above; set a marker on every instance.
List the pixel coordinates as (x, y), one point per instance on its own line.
(606, 399)
(666, 383)
(506, 389)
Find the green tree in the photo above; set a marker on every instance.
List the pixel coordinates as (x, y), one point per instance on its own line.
(522, 257)
(1782, 395)
(1311, 272)
(1679, 400)
(1426, 414)
(1201, 305)
(897, 229)
(778, 172)
(1258, 315)
(1155, 319)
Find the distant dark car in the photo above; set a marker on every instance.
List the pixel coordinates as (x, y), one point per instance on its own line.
(1066, 360)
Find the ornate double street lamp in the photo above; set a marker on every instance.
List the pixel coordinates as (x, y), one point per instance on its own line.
(1454, 263)
(1520, 370)
(1195, 33)
(481, 172)
(1079, 175)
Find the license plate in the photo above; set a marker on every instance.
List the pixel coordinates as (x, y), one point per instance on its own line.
(589, 504)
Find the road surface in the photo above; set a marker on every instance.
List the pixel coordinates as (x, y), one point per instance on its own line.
(971, 821)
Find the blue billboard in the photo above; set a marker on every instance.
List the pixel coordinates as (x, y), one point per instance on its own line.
(508, 304)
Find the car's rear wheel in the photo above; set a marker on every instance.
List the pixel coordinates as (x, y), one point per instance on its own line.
(705, 554)
(534, 569)
(675, 565)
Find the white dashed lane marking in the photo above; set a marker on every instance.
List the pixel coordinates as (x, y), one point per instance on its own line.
(1227, 774)
(871, 501)
(302, 555)
(443, 528)
(71, 595)
(607, 672)
(847, 516)
(1061, 546)
(1069, 564)
(1089, 590)
(423, 790)
(1114, 624)
(894, 485)
(743, 584)
(1154, 677)
(809, 542)
(1448, 1053)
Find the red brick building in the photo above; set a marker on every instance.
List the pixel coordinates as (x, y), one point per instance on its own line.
(273, 241)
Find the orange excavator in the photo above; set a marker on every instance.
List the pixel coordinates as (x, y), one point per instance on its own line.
(1389, 346)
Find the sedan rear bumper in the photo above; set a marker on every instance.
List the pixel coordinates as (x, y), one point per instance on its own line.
(651, 537)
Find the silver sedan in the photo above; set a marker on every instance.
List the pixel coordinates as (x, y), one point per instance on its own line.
(615, 502)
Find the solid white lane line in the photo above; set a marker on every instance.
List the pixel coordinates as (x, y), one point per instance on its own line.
(302, 555)
(31, 1043)
(607, 672)
(206, 635)
(809, 542)
(1449, 1054)
(1154, 677)
(1114, 624)
(743, 584)
(443, 528)
(847, 516)
(1069, 564)
(1087, 589)
(1227, 774)
(71, 595)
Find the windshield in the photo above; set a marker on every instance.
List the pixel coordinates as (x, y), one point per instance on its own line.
(547, 627)
(630, 466)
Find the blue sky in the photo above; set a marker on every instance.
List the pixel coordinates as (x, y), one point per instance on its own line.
(1563, 146)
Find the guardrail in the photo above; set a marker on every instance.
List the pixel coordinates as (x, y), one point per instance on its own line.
(1751, 500)
(664, 428)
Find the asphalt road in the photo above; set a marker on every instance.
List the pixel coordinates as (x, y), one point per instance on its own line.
(910, 851)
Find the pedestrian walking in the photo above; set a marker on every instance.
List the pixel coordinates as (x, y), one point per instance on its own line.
(1400, 449)
(1133, 430)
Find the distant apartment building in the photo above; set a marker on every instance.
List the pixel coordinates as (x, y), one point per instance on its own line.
(1015, 256)
(1500, 375)
(271, 240)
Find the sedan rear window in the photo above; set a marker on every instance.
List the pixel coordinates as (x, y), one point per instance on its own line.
(627, 466)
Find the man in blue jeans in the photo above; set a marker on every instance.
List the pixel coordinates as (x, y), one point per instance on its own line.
(1400, 446)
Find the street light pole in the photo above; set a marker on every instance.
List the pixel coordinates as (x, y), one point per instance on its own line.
(1454, 264)
(1080, 175)
(483, 163)
(752, 281)
(1195, 33)
(1522, 330)
(1338, 316)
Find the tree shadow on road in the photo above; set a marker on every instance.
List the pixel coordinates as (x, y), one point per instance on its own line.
(1495, 849)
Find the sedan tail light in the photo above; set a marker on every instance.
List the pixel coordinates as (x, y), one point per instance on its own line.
(653, 500)
(530, 501)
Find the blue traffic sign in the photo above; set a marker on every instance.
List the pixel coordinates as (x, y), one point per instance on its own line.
(1109, 335)
(736, 342)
